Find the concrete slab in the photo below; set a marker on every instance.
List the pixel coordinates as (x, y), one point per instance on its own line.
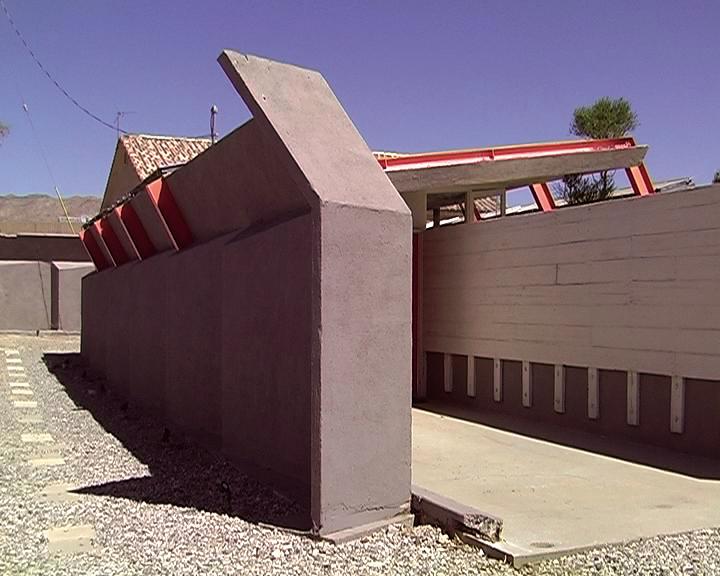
(19, 384)
(25, 403)
(37, 437)
(553, 498)
(70, 539)
(59, 493)
(20, 391)
(47, 461)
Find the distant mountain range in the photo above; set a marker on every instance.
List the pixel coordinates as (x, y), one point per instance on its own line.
(39, 213)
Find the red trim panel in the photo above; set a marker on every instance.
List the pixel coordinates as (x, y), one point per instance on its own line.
(113, 242)
(93, 250)
(161, 194)
(543, 197)
(640, 180)
(410, 161)
(137, 232)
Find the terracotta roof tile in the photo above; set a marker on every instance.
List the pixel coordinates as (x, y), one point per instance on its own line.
(148, 153)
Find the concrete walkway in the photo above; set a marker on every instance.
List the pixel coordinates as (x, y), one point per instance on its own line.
(554, 498)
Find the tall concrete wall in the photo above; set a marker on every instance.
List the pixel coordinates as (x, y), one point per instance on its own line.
(628, 286)
(283, 332)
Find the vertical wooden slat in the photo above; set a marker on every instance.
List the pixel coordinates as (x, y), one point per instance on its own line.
(593, 394)
(633, 398)
(677, 405)
(497, 380)
(559, 389)
(527, 391)
(471, 376)
(448, 372)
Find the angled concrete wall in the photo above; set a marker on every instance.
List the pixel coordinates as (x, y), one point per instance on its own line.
(623, 286)
(65, 281)
(283, 332)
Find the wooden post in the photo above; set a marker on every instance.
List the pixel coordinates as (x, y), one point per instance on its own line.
(593, 394)
(448, 372)
(497, 380)
(471, 376)
(559, 389)
(527, 391)
(633, 398)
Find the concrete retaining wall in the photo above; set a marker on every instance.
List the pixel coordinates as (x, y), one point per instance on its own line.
(619, 298)
(279, 326)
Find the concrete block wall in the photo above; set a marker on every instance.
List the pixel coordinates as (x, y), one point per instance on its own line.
(611, 310)
(279, 328)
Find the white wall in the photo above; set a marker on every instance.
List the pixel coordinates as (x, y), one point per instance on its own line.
(630, 284)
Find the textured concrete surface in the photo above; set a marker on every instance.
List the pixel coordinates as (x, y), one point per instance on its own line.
(25, 295)
(551, 497)
(44, 247)
(66, 290)
(283, 333)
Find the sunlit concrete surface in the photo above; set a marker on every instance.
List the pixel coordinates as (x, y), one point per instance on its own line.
(553, 497)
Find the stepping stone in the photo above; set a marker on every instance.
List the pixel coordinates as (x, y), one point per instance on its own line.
(14, 368)
(19, 385)
(58, 493)
(30, 419)
(41, 437)
(22, 391)
(11, 352)
(47, 460)
(13, 360)
(24, 403)
(71, 539)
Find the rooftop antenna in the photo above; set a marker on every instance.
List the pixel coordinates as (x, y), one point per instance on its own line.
(118, 117)
(213, 114)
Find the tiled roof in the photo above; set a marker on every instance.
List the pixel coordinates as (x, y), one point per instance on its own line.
(148, 153)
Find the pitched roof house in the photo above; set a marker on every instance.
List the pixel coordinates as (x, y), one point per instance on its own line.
(139, 155)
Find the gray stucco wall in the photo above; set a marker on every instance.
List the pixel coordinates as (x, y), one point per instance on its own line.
(178, 336)
(283, 334)
(44, 247)
(66, 294)
(25, 299)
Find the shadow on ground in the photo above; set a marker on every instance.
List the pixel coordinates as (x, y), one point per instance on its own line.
(182, 473)
(620, 448)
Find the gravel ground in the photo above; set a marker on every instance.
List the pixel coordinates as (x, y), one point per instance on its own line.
(161, 505)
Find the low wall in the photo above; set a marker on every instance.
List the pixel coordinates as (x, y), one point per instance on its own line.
(66, 293)
(43, 247)
(25, 295)
(604, 317)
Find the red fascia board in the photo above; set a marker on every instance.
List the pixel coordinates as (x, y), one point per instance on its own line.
(93, 249)
(413, 161)
(112, 242)
(136, 230)
(160, 193)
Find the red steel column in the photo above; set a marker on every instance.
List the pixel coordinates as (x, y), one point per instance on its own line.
(640, 180)
(163, 198)
(543, 197)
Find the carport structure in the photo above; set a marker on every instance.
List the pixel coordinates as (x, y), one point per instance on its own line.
(430, 181)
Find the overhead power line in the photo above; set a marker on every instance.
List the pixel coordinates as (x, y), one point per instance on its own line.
(50, 76)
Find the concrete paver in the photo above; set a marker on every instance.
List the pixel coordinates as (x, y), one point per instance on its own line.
(552, 497)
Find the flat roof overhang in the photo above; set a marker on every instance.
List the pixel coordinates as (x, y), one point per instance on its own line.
(491, 169)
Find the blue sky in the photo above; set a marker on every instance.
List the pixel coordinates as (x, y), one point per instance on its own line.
(412, 75)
